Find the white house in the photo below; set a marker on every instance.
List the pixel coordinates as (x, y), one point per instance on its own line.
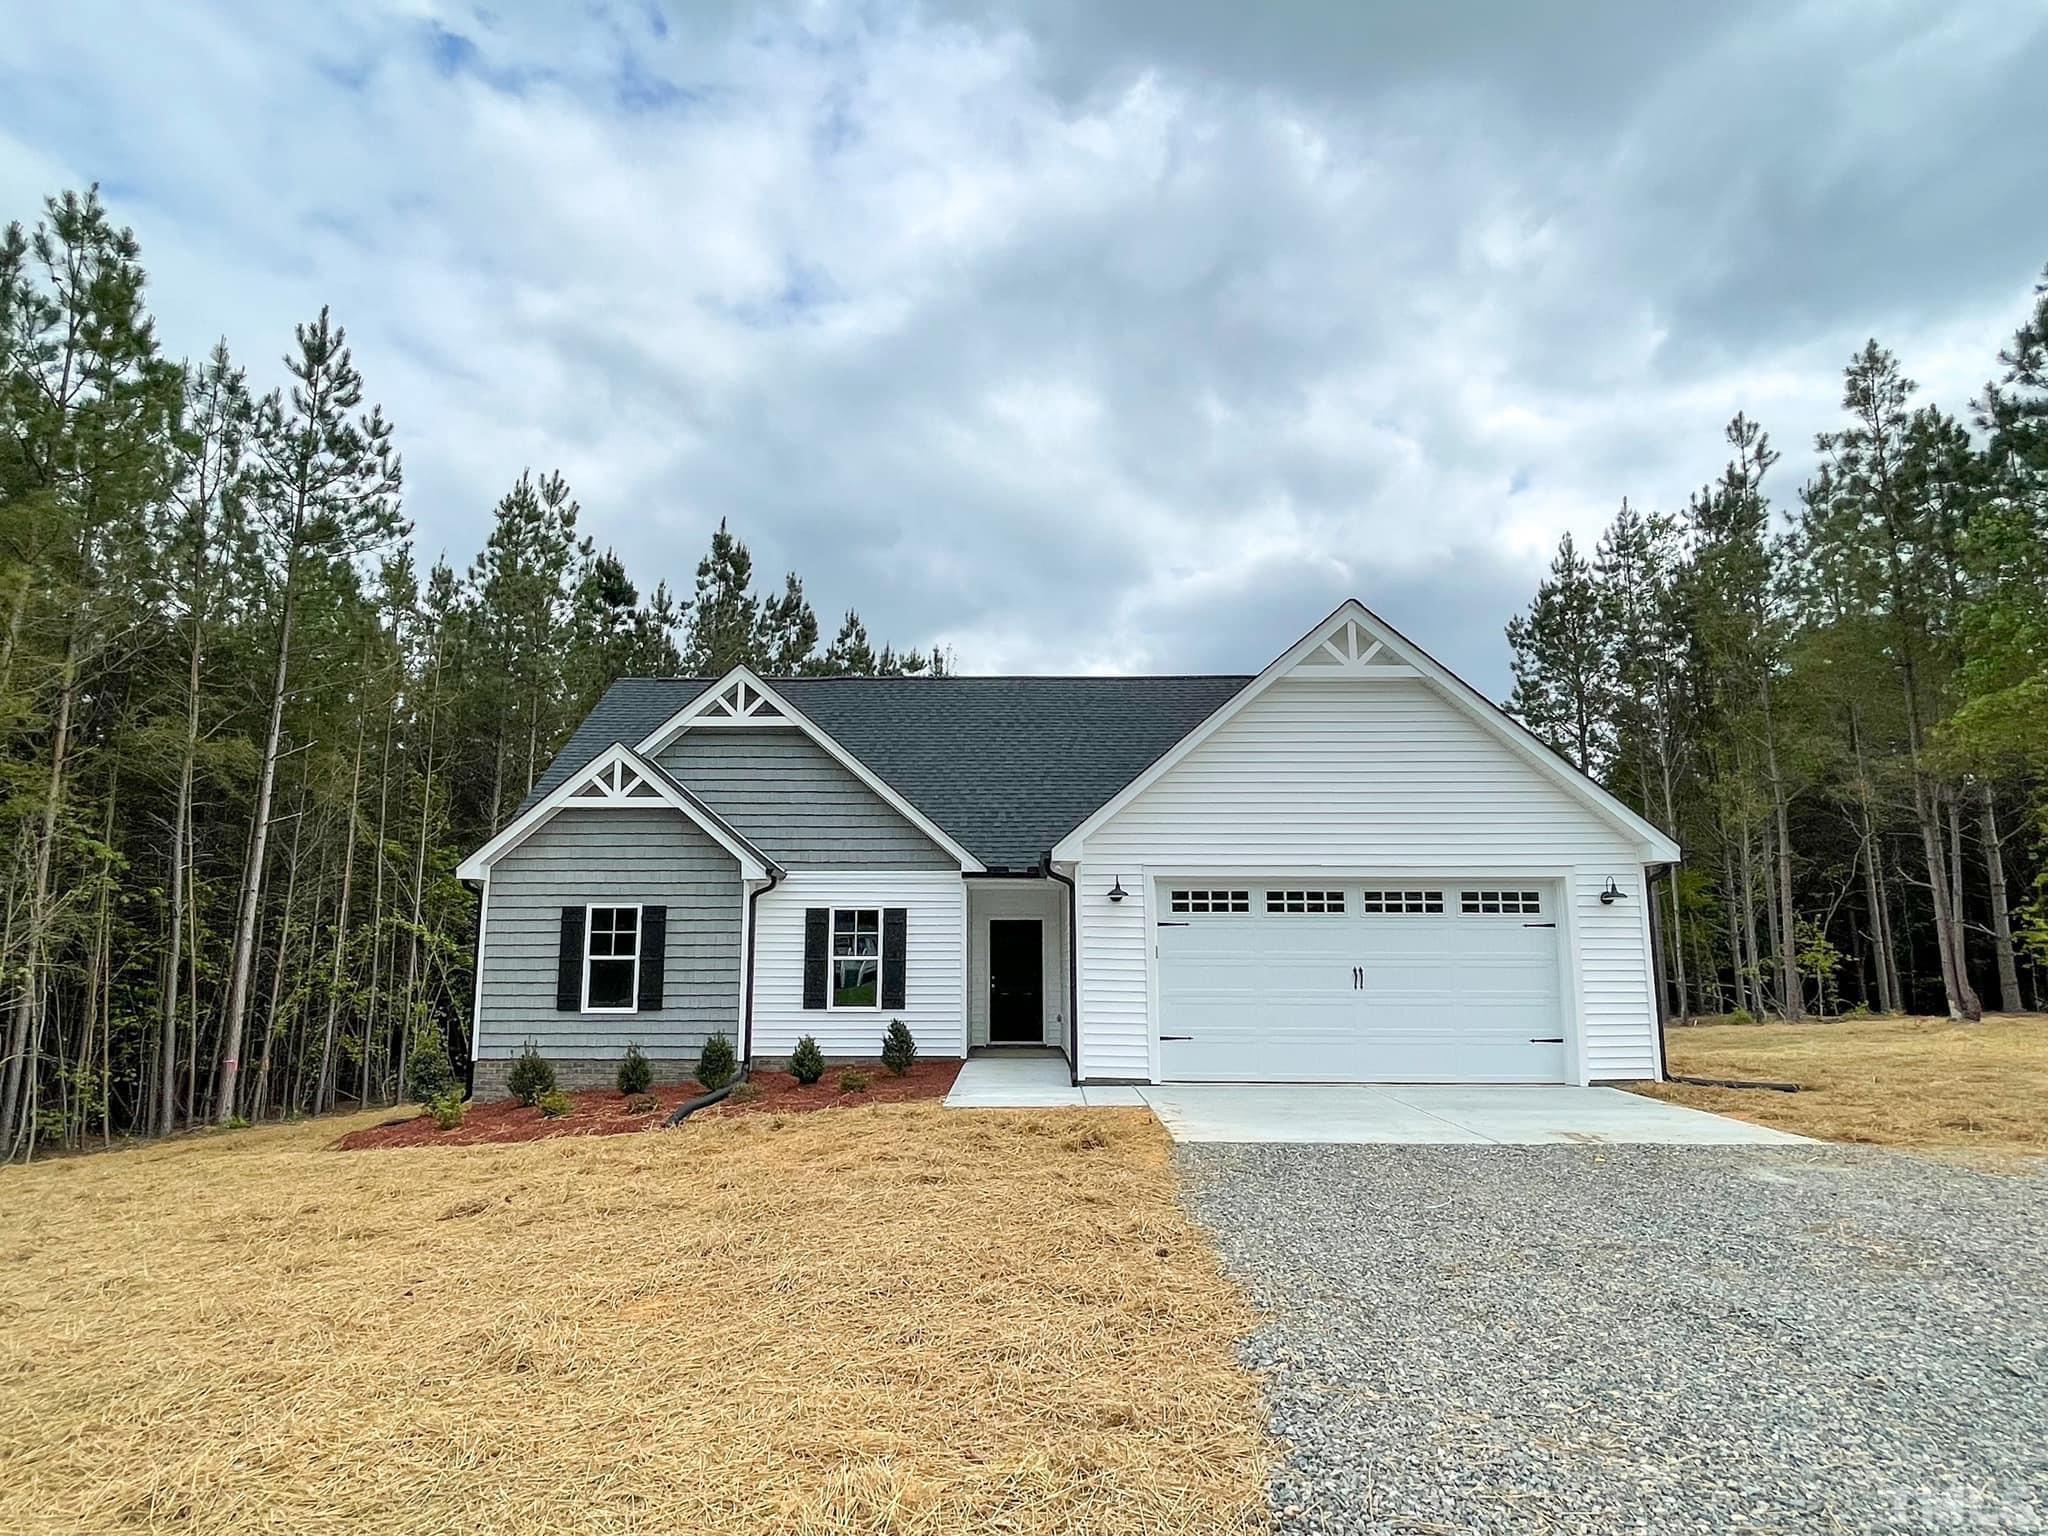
(1351, 867)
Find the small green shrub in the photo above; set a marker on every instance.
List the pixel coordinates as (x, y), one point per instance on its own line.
(807, 1062)
(853, 1080)
(743, 1093)
(716, 1063)
(899, 1050)
(641, 1104)
(238, 1122)
(447, 1108)
(428, 1071)
(1740, 1016)
(635, 1076)
(554, 1104)
(530, 1076)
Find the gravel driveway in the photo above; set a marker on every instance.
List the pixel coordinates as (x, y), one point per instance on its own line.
(1703, 1339)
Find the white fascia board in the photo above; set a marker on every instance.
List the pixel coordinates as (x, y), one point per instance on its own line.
(789, 714)
(753, 865)
(1658, 847)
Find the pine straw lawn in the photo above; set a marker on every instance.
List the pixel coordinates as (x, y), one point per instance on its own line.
(893, 1318)
(1922, 1083)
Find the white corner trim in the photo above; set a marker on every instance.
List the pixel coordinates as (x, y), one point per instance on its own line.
(1407, 660)
(742, 698)
(618, 778)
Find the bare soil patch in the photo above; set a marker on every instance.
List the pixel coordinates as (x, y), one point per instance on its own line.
(1922, 1083)
(894, 1318)
(607, 1112)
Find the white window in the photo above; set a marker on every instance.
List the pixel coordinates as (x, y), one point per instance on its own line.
(1309, 903)
(1404, 903)
(1210, 901)
(1500, 903)
(611, 959)
(856, 957)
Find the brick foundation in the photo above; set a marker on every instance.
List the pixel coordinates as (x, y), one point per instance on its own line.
(575, 1073)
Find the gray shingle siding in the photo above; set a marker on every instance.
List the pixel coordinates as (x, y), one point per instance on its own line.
(655, 856)
(1006, 765)
(784, 792)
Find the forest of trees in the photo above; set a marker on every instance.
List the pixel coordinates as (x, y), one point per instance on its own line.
(1835, 700)
(244, 737)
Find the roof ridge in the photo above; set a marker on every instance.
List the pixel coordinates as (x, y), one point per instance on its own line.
(966, 677)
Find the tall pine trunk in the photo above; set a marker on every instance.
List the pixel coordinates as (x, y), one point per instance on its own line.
(2001, 911)
(323, 1090)
(239, 975)
(24, 1035)
(1792, 992)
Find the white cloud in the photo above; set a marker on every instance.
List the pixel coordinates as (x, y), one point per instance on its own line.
(1072, 338)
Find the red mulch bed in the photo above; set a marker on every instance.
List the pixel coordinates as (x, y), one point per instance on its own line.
(603, 1112)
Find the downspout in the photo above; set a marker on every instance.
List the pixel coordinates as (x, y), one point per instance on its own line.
(689, 1107)
(1073, 971)
(1652, 876)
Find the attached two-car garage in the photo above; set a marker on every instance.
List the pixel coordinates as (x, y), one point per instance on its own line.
(1369, 980)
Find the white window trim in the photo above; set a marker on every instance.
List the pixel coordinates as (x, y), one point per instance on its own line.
(639, 942)
(833, 957)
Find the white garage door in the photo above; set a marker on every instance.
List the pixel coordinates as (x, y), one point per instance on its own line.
(1427, 981)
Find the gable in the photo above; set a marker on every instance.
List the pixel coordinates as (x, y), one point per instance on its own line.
(1354, 649)
(1347, 771)
(785, 793)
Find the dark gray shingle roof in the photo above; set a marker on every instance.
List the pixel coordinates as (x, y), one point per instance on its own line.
(1007, 765)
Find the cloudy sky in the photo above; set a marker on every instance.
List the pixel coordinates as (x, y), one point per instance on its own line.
(1076, 337)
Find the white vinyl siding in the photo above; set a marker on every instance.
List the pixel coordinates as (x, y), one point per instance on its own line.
(935, 964)
(1371, 778)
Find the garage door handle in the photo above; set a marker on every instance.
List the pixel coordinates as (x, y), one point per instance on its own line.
(1358, 978)
(1549, 1040)
(1176, 1037)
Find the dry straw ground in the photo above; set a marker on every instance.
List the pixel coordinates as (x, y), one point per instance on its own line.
(1921, 1083)
(888, 1319)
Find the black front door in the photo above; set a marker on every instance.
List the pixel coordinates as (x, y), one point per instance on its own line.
(1016, 981)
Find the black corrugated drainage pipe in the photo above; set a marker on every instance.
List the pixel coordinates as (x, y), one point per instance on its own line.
(1073, 971)
(689, 1107)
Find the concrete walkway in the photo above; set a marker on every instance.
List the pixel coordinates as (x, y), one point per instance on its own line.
(1351, 1113)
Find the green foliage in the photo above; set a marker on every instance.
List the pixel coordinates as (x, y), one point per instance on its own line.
(853, 1080)
(635, 1075)
(447, 1108)
(428, 1072)
(807, 1062)
(531, 1076)
(899, 1050)
(554, 1104)
(716, 1063)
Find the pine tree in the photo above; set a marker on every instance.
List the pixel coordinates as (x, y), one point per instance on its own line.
(1562, 662)
(789, 631)
(326, 488)
(850, 654)
(725, 620)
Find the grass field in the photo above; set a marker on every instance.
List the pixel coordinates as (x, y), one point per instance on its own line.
(883, 1319)
(1921, 1083)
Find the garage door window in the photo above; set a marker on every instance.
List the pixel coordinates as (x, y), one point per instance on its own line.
(1416, 903)
(1500, 903)
(1210, 901)
(1305, 903)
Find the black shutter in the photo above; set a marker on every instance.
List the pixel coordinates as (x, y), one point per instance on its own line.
(569, 963)
(817, 937)
(653, 949)
(895, 923)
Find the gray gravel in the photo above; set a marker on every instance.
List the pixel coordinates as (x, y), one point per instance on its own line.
(1669, 1339)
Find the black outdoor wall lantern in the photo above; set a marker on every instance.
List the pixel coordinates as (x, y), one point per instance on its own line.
(1611, 895)
(1117, 891)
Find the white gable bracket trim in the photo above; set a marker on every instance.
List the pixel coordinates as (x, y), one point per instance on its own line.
(742, 698)
(1410, 660)
(618, 778)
